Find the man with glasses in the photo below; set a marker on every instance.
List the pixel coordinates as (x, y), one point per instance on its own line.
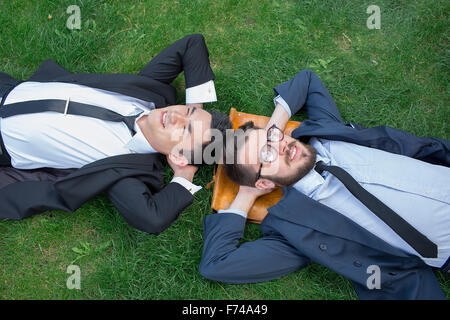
(354, 198)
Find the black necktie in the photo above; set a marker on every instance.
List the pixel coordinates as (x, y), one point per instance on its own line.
(414, 238)
(67, 107)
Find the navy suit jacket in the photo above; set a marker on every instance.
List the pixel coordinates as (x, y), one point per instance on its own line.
(298, 230)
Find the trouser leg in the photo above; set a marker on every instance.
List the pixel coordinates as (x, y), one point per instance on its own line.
(10, 175)
(5, 159)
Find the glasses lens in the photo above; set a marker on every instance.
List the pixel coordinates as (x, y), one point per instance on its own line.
(274, 134)
(268, 154)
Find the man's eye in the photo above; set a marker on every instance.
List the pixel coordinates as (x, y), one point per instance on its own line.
(187, 111)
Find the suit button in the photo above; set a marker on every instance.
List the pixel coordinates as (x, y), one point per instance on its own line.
(323, 247)
(357, 264)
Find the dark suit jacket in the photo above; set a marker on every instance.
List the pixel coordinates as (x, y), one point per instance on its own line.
(134, 182)
(299, 230)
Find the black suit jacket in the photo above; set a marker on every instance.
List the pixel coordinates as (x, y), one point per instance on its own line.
(133, 182)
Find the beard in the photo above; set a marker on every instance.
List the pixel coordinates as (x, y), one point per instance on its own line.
(309, 161)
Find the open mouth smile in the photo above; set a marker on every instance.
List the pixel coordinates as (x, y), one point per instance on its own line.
(163, 118)
(294, 153)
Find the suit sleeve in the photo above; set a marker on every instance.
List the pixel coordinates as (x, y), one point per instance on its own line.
(428, 149)
(188, 54)
(265, 259)
(147, 211)
(306, 89)
(417, 284)
(48, 71)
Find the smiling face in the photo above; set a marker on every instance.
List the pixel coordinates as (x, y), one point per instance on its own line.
(292, 159)
(176, 128)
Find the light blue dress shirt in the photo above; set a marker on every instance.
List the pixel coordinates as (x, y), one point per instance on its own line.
(417, 191)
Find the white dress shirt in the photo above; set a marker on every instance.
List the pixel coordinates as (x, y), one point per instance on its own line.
(51, 139)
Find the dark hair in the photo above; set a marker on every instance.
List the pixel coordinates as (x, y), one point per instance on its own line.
(238, 173)
(219, 121)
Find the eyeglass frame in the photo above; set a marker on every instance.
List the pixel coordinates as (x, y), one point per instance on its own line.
(268, 145)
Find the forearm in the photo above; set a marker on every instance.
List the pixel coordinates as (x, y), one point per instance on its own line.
(199, 77)
(243, 202)
(224, 260)
(245, 199)
(280, 117)
(184, 176)
(295, 91)
(306, 89)
(151, 213)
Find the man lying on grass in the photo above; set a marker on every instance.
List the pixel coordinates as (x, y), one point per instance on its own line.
(372, 204)
(68, 137)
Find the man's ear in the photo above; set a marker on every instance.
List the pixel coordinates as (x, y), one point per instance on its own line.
(178, 158)
(264, 184)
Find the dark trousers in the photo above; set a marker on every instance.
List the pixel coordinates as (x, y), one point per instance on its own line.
(5, 159)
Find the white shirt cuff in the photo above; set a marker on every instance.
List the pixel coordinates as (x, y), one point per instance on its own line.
(235, 211)
(192, 188)
(283, 103)
(202, 93)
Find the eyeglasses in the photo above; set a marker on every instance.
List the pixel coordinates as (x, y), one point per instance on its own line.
(268, 153)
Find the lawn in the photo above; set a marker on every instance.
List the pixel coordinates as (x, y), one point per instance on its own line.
(397, 76)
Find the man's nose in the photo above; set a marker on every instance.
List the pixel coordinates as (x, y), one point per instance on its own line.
(282, 147)
(177, 118)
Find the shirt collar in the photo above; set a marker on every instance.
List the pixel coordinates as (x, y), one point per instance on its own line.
(138, 143)
(312, 179)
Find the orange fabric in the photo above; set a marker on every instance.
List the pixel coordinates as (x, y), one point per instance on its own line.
(225, 190)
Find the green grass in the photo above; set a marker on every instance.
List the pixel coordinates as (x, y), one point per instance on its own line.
(396, 76)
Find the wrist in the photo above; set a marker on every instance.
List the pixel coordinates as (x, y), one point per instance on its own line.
(184, 174)
(279, 117)
(247, 196)
(243, 202)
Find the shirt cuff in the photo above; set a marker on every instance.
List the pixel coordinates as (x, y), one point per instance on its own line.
(192, 188)
(235, 211)
(283, 103)
(202, 93)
